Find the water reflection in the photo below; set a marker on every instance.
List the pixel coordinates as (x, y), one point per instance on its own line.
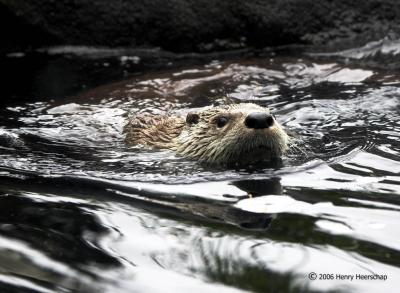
(50, 244)
(81, 211)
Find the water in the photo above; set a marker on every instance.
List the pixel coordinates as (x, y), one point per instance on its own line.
(82, 212)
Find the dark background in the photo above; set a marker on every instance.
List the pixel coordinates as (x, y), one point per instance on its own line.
(195, 25)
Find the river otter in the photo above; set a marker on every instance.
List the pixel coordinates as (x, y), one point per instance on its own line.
(229, 134)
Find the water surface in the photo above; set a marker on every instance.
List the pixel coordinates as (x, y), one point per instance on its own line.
(81, 212)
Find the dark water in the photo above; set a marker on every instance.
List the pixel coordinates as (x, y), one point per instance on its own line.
(81, 212)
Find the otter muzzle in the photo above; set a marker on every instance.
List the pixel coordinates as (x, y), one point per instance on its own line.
(259, 120)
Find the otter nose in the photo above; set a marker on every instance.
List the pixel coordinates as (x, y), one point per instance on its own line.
(259, 120)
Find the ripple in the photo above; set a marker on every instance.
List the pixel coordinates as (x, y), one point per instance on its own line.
(82, 210)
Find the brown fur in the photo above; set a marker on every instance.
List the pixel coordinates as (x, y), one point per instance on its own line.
(205, 141)
(156, 131)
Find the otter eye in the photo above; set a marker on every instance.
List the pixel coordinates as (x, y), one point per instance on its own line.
(221, 121)
(192, 118)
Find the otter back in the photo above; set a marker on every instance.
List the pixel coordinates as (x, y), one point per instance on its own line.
(157, 131)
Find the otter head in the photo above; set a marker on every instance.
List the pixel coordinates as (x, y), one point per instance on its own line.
(239, 133)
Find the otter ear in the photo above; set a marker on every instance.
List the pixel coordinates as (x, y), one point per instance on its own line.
(192, 118)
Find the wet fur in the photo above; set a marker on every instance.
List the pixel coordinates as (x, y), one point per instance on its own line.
(205, 141)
